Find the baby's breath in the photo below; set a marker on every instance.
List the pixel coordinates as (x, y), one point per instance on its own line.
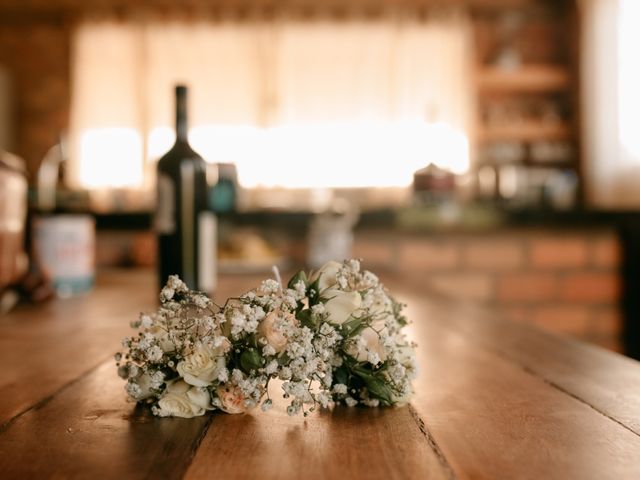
(224, 357)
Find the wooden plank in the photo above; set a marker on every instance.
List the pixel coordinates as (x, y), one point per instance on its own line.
(89, 429)
(385, 443)
(47, 346)
(493, 419)
(605, 380)
(50, 345)
(480, 410)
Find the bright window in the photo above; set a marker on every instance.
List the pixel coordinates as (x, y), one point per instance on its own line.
(293, 104)
(629, 76)
(611, 102)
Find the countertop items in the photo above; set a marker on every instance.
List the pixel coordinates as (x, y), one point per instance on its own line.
(493, 399)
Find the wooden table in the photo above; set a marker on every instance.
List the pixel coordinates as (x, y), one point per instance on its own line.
(494, 400)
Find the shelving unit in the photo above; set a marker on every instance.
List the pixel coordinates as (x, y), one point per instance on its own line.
(526, 78)
(525, 131)
(526, 91)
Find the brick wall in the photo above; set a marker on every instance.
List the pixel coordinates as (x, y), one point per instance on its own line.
(34, 49)
(565, 282)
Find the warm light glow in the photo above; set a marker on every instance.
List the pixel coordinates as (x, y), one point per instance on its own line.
(111, 157)
(335, 155)
(629, 75)
(160, 140)
(340, 155)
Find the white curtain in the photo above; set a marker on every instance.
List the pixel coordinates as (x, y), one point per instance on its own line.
(106, 115)
(292, 103)
(611, 102)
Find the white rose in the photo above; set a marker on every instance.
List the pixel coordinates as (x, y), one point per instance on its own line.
(232, 399)
(183, 400)
(200, 398)
(370, 340)
(340, 305)
(326, 276)
(272, 332)
(203, 366)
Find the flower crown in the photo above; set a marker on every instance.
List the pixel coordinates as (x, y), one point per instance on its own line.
(329, 338)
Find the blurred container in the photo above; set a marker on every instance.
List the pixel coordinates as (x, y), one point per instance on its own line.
(331, 234)
(64, 247)
(222, 179)
(551, 152)
(63, 244)
(13, 214)
(561, 190)
(433, 184)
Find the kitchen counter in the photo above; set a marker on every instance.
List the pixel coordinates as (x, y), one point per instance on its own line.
(494, 399)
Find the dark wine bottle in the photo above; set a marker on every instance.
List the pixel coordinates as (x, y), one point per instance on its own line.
(185, 228)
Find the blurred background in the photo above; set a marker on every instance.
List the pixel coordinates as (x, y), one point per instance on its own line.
(486, 149)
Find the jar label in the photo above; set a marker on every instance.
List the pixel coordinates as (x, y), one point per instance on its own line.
(207, 251)
(165, 222)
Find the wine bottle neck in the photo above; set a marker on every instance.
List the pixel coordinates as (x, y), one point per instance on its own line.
(182, 128)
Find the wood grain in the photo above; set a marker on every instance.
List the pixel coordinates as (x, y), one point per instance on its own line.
(53, 344)
(344, 443)
(605, 380)
(90, 429)
(494, 419)
(493, 400)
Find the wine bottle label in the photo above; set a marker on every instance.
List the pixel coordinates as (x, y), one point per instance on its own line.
(187, 225)
(207, 255)
(165, 221)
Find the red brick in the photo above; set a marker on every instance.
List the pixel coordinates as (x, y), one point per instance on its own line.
(572, 319)
(39, 66)
(374, 253)
(526, 287)
(597, 287)
(297, 251)
(467, 286)
(112, 248)
(607, 323)
(606, 252)
(558, 253)
(144, 249)
(429, 255)
(517, 314)
(495, 255)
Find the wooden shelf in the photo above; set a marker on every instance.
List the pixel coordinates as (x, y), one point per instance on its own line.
(527, 162)
(529, 78)
(525, 132)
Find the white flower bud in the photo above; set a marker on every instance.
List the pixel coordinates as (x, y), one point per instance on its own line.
(341, 305)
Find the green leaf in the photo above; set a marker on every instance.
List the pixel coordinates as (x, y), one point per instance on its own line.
(296, 278)
(352, 327)
(306, 319)
(250, 360)
(252, 340)
(341, 375)
(283, 359)
(313, 292)
(362, 371)
(379, 389)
